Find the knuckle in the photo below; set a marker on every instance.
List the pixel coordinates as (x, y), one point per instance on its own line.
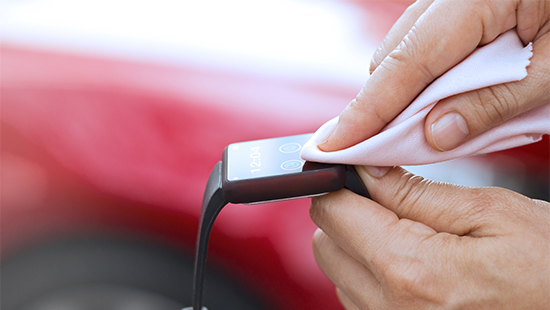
(494, 18)
(379, 56)
(361, 105)
(318, 241)
(418, 282)
(322, 247)
(409, 53)
(486, 202)
(410, 190)
(413, 281)
(316, 209)
(415, 276)
(395, 36)
(486, 206)
(322, 208)
(494, 105)
(374, 62)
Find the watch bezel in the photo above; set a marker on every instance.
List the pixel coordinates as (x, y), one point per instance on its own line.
(313, 179)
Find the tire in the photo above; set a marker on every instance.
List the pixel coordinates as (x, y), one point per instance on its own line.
(109, 274)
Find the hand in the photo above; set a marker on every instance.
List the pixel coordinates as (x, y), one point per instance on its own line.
(429, 39)
(425, 245)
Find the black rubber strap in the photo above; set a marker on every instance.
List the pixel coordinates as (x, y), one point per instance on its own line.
(212, 203)
(354, 182)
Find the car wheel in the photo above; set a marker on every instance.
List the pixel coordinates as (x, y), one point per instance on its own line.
(109, 274)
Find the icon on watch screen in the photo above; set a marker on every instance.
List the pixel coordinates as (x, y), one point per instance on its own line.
(290, 147)
(292, 164)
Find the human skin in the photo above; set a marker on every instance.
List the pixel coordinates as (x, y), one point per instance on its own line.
(420, 244)
(430, 38)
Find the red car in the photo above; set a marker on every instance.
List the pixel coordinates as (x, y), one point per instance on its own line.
(114, 114)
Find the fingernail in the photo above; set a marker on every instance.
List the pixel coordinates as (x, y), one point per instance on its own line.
(449, 131)
(323, 144)
(377, 172)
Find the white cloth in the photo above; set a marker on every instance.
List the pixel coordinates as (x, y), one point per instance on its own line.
(402, 142)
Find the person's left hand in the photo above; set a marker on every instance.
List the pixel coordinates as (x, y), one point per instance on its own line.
(425, 245)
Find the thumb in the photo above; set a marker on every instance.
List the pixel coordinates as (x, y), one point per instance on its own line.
(444, 207)
(457, 119)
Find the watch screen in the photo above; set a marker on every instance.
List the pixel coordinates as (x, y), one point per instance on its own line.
(262, 158)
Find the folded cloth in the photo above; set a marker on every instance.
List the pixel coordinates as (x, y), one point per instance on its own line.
(402, 142)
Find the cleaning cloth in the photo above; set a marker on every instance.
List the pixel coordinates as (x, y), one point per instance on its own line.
(402, 142)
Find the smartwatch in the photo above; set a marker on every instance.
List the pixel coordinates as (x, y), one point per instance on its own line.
(264, 171)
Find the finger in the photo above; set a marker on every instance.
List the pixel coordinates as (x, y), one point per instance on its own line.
(345, 301)
(349, 275)
(398, 31)
(426, 52)
(367, 231)
(533, 19)
(412, 232)
(407, 258)
(456, 119)
(443, 207)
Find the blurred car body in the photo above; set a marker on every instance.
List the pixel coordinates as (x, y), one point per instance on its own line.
(113, 115)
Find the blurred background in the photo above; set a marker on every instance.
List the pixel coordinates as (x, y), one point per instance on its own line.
(113, 114)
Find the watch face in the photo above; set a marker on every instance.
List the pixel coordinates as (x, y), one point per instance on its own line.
(263, 158)
(271, 169)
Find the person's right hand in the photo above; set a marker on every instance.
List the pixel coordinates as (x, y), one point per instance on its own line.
(430, 38)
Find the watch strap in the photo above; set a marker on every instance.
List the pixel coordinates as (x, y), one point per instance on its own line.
(212, 203)
(354, 182)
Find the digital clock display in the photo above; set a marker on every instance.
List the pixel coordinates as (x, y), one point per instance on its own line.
(261, 158)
